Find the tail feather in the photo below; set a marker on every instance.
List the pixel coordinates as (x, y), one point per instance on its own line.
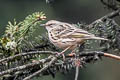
(99, 38)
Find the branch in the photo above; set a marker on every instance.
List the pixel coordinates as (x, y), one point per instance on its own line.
(112, 56)
(24, 66)
(82, 54)
(41, 70)
(52, 60)
(27, 53)
(110, 15)
(111, 6)
(101, 54)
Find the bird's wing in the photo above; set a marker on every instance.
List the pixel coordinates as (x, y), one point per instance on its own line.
(69, 31)
(75, 33)
(79, 33)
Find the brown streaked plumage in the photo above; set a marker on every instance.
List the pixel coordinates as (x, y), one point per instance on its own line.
(67, 36)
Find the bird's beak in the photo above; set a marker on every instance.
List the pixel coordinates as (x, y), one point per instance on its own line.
(43, 25)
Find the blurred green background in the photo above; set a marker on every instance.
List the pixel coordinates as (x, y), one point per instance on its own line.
(72, 11)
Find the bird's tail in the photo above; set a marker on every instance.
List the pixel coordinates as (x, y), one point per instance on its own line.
(99, 38)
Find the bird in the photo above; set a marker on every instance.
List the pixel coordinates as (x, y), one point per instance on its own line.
(67, 36)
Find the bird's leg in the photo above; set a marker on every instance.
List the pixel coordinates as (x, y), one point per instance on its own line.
(73, 51)
(77, 60)
(62, 53)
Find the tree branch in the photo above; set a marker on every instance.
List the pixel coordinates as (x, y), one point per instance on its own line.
(52, 60)
(110, 15)
(112, 56)
(111, 6)
(25, 66)
(27, 53)
(41, 70)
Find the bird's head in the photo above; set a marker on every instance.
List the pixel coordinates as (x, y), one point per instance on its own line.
(50, 24)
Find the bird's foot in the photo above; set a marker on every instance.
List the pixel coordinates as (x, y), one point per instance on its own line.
(77, 62)
(72, 54)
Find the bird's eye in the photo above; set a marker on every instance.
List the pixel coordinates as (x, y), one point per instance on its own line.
(49, 24)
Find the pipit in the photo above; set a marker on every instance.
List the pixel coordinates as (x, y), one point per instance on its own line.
(67, 36)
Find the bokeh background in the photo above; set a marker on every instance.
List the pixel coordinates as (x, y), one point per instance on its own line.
(72, 11)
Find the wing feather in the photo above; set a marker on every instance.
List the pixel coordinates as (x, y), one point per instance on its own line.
(70, 31)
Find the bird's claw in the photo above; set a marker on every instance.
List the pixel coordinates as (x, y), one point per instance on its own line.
(72, 54)
(77, 62)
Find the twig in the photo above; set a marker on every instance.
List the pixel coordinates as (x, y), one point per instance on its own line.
(100, 54)
(41, 70)
(26, 31)
(113, 7)
(27, 53)
(110, 15)
(112, 56)
(77, 72)
(24, 66)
